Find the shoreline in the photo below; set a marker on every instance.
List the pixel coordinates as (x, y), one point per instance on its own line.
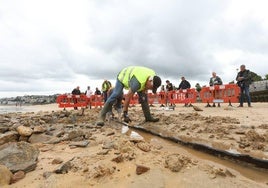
(4, 109)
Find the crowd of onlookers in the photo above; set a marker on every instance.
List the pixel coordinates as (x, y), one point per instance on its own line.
(106, 86)
(243, 81)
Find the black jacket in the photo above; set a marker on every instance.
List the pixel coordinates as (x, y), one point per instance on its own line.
(76, 92)
(184, 85)
(169, 87)
(97, 92)
(246, 78)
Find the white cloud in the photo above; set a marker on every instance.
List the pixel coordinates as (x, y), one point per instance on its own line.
(53, 46)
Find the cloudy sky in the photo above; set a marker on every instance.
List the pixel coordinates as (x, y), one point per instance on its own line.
(51, 46)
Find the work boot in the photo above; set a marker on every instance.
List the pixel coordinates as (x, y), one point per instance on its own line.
(147, 114)
(107, 108)
(109, 116)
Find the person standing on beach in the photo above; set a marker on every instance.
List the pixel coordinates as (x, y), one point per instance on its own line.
(89, 93)
(163, 96)
(215, 80)
(169, 89)
(106, 85)
(184, 85)
(97, 91)
(76, 91)
(243, 79)
(134, 79)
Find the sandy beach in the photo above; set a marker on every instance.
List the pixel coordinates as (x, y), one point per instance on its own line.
(116, 154)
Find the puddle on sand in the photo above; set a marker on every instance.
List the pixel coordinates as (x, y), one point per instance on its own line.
(255, 174)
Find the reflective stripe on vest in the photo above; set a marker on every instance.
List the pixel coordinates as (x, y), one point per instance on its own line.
(141, 74)
(124, 74)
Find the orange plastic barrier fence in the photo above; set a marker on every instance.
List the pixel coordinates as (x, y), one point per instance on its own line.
(66, 101)
(162, 98)
(182, 96)
(152, 98)
(220, 93)
(134, 100)
(96, 100)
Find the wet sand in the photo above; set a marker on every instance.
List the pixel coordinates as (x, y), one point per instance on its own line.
(221, 127)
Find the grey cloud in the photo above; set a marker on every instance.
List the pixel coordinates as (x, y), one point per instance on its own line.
(175, 38)
(167, 40)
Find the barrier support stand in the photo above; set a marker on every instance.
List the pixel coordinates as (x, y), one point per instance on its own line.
(230, 104)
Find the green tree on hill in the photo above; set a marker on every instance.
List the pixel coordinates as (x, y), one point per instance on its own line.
(255, 77)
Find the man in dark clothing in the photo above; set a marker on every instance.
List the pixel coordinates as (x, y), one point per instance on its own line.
(97, 91)
(184, 85)
(76, 91)
(243, 79)
(169, 88)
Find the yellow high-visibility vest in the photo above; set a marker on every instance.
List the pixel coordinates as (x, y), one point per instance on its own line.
(141, 74)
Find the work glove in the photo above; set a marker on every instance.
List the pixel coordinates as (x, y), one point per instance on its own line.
(126, 118)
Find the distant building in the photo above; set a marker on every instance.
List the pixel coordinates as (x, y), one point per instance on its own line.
(259, 86)
(259, 91)
(31, 99)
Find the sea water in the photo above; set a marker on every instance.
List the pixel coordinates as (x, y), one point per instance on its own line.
(12, 108)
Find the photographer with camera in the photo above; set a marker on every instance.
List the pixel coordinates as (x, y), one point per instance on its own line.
(243, 79)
